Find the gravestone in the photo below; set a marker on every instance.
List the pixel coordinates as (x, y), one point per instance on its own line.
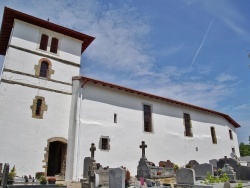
(243, 173)
(86, 164)
(185, 176)
(214, 163)
(103, 176)
(117, 178)
(192, 163)
(92, 167)
(230, 172)
(6, 170)
(1, 167)
(201, 170)
(232, 162)
(144, 168)
(167, 164)
(143, 146)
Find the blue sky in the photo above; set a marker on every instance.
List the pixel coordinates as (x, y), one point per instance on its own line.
(189, 50)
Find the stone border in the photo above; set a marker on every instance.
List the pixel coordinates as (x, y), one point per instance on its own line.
(46, 149)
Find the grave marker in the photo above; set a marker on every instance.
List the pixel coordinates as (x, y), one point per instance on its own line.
(143, 146)
(6, 170)
(185, 176)
(117, 178)
(201, 170)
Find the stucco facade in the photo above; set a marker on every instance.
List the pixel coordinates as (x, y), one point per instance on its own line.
(54, 118)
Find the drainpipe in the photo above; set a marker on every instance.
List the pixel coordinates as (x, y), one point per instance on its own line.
(77, 135)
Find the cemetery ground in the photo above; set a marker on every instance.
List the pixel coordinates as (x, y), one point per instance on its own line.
(217, 173)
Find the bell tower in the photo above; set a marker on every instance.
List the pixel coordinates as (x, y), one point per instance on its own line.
(36, 87)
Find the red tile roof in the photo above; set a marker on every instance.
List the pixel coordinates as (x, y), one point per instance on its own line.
(8, 20)
(114, 86)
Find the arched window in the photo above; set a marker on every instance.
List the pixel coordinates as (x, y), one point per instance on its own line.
(38, 106)
(44, 69)
(54, 45)
(44, 42)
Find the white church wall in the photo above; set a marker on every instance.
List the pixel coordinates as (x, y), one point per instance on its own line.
(63, 72)
(167, 141)
(27, 36)
(24, 138)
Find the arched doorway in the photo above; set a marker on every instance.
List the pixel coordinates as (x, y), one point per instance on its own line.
(57, 151)
(55, 157)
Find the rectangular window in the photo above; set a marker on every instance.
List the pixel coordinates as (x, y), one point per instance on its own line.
(213, 135)
(187, 123)
(115, 118)
(54, 45)
(44, 42)
(104, 143)
(233, 150)
(147, 118)
(230, 134)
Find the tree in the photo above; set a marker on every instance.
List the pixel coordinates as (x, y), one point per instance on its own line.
(244, 150)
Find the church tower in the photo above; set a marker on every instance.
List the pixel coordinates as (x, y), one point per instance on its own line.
(35, 91)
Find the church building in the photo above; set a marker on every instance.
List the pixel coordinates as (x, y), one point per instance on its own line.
(50, 115)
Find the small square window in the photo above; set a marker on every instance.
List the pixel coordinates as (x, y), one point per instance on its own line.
(104, 143)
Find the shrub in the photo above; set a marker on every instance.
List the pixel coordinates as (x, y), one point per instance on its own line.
(38, 175)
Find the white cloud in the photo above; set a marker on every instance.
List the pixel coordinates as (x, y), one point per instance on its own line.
(224, 77)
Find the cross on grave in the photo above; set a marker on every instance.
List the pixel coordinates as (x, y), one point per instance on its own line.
(143, 146)
(92, 149)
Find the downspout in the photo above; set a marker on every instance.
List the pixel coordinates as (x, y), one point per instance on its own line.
(77, 134)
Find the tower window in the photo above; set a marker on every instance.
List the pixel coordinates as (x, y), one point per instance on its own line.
(54, 45)
(147, 118)
(44, 42)
(38, 107)
(44, 69)
(213, 135)
(188, 126)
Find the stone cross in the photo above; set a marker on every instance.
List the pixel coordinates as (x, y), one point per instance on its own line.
(143, 146)
(92, 149)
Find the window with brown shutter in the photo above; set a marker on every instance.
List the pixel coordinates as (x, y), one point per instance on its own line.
(230, 134)
(147, 118)
(44, 42)
(187, 123)
(213, 135)
(54, 45)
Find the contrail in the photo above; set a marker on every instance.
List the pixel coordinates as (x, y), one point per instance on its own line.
(198, 51)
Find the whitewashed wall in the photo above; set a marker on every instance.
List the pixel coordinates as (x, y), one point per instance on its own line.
(24, 138)
(167, 140)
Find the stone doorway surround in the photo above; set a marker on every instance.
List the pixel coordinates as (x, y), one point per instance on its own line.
(61, 176)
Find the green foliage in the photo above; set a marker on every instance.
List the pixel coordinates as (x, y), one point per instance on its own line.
(176, 166)
(244, 149)
(215, 179)
(12, 174)
(239, 185)
(39, 175)
(188, 165)
(43, 180)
